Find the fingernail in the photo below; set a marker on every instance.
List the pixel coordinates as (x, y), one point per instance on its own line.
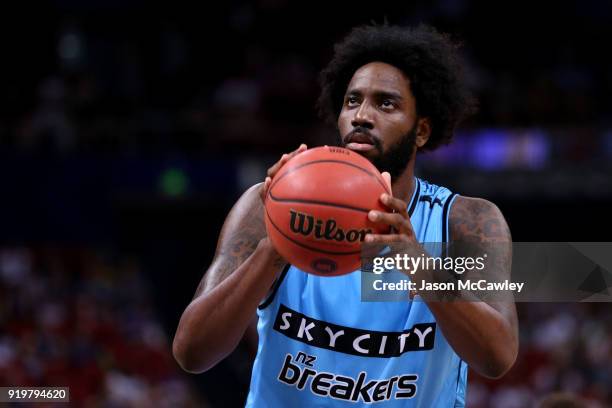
(368, 238)
(384, 196)
(372, 215)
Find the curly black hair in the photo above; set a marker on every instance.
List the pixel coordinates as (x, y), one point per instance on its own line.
(428, 58)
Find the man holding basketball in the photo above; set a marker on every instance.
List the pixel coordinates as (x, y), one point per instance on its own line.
(391, 92)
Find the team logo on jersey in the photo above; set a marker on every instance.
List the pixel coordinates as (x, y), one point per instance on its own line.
(349, 340)
(297, 371)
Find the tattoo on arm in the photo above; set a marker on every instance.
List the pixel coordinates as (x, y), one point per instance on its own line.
(476, 220)
(241, 233)
(481, 226)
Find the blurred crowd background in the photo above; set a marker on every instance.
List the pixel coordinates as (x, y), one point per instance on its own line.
(127, 131)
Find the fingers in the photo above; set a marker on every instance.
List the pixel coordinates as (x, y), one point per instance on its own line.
(267, 183)
(398, 220)
(386, 238)
(395, 220)
(264, 189)
(387, 177)
(388, 199)
(393, 203)
(284, 159)
(276, 167)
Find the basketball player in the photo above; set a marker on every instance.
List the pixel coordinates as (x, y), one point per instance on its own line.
(391, 92)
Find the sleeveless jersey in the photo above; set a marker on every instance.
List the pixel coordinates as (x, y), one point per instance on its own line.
(321, 346)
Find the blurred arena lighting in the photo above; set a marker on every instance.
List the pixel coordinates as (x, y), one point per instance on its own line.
(173, 182)
(71, 48)
(496, 149)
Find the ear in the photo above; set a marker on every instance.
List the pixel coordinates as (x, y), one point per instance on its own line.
(423, 132)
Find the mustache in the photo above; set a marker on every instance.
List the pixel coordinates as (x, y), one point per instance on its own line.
(362, 131)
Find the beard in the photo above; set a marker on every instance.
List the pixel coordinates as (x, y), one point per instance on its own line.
(396, 158)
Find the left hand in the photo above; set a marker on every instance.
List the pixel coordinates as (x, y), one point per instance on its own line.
(397, 218)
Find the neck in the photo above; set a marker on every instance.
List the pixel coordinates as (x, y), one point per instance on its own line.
(403, 186)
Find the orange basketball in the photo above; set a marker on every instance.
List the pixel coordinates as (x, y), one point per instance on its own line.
(317, 209)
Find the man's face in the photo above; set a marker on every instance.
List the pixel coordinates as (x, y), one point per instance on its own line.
(378, 117)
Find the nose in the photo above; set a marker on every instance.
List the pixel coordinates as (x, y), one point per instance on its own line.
(363, 117)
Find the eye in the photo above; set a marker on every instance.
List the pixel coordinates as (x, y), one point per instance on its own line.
(351, 100)
(387, 104)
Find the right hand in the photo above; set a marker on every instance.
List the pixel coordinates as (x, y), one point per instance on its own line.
(265, 243)
(274, 169)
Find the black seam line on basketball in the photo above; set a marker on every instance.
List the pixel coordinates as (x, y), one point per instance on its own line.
(331, 161)
(415, 198)
(275, 288)
(323, 251)
(445, 211)
(325, 203)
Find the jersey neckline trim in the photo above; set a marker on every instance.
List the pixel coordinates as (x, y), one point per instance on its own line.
(415, 196)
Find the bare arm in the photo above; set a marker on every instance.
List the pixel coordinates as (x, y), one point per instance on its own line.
(485, 335)
(243, 270)
(241, 274)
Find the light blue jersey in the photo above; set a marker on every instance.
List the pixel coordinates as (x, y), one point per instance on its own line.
(321, 346)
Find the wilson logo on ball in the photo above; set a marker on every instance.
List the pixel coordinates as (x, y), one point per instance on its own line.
(308, 225)
(316, 209)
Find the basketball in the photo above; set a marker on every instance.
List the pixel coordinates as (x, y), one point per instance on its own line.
(317, 209)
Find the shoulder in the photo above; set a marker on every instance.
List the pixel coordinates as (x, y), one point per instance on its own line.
(249, 201)
(245, 220)
(473, 206)
(242, 230)
(252, 194)
(477, 219)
